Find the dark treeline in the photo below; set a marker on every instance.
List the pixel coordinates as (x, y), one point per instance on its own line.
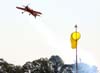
(44, 65)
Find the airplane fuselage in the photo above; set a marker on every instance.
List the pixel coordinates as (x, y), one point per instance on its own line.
(31, 11)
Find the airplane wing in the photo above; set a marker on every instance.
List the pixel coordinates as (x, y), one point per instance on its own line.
(38, 12)
(20, 8)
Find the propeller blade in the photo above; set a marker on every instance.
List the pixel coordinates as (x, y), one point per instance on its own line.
(23, 5)
(26, 5)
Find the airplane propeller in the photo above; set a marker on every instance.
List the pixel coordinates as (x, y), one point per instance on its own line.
(23, 5)
(26, 5)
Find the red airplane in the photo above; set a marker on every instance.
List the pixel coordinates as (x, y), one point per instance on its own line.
(30, 11)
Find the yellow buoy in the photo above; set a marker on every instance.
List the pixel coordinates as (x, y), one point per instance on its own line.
(75, 36)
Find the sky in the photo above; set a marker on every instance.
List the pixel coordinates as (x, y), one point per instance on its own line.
(24, 38)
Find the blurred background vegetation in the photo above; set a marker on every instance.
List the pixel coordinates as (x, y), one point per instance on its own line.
(44, 65)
